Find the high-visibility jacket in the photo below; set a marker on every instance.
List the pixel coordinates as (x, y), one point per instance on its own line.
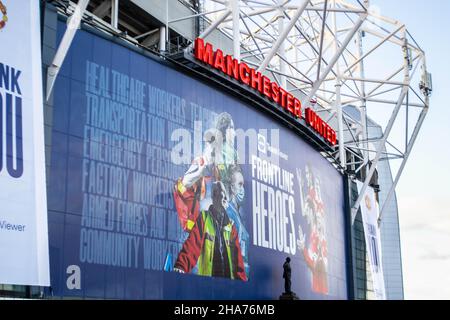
(198, 249)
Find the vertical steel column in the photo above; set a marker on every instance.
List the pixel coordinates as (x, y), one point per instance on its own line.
(362, 108)
(167, 21)
(342, 156)
(282, 47)
(162, 39)
(115, 14)
(215, 24)
(236, 29)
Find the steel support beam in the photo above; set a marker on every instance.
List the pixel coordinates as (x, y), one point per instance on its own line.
(115, 14)
(215, 24)
(282, 36)
(381, 145)
(405, 160)
(338, 86)
(281, 47)
(374, 48)
(236, 29)
(162, 39)
(382, 142)
(363, 102)
(73, 24)
(103, 9)
(335, 58)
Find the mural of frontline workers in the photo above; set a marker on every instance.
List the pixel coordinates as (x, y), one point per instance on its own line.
(213, 243)
(235, 212)
(192, 192)
(313, 210)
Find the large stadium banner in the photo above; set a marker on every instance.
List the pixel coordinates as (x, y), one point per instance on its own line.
(23, 204)
(163, 187)
(370, 214)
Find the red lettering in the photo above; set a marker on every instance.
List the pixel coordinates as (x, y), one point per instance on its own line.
(297, 108)
(232, 67)
(310, 117)
(324, 129)
(266, 87)
(275, 92)
(290, 103)
(283, 97)
(202, 52)
(244, 73)
(256, 80)
(329, 134)
(333, 138)
(219, 61)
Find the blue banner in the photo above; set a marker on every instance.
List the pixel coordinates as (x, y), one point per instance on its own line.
(162, 187)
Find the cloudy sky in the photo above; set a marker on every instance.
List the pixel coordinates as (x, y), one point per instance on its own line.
(424, 190)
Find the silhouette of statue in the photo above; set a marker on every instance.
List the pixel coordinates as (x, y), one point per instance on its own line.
(288, 294)
(287, 275)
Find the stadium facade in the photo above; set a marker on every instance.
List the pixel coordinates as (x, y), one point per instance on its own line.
(169, 168)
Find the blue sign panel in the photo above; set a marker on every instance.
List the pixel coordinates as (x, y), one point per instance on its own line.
(162, 187)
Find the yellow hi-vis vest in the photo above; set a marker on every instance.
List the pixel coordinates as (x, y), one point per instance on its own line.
(205, 261)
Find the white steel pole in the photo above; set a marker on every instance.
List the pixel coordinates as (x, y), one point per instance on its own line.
(282, 47)
(236, 29)
(167, 21)
(342, 156)
(73, 24)
(162, 39)
(362, 107)
(115, 14)
(283, 33)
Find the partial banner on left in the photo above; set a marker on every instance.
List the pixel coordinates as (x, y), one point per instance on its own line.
(23, 200)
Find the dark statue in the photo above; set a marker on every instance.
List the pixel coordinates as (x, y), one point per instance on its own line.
(287, 275)
(288, 294)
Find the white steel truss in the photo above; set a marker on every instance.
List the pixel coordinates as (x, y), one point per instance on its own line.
(335, 53)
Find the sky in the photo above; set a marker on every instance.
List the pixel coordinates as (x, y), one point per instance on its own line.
(423, 191)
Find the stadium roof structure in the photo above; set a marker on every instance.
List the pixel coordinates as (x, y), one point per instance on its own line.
(329, 53)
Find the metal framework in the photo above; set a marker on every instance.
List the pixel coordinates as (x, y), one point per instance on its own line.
(331, 54)
(337, 53)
